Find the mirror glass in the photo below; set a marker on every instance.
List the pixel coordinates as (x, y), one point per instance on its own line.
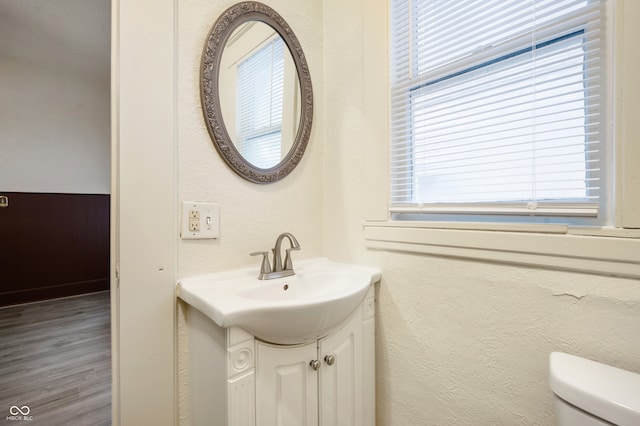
(259, 94)
(256, 92)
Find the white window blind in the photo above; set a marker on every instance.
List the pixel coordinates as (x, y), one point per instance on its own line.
(260, 98)
(496, 107)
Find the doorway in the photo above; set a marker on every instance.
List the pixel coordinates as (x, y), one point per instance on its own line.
(55, 190)
(54, 148)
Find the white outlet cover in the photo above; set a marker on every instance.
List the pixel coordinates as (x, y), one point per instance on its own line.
(209, 220)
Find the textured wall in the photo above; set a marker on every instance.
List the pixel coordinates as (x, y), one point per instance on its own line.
(458, 342)
(252, 215)
(466, 343)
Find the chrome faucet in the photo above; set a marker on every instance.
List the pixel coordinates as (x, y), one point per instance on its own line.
(278, 271)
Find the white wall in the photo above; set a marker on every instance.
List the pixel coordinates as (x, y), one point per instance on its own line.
(252, 215)
(55, 96)
(458, 342)
(54, 131)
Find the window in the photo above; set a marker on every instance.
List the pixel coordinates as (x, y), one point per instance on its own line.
(498, 111)
(260, 98)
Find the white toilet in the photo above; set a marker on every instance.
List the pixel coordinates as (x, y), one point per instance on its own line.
(588, 393)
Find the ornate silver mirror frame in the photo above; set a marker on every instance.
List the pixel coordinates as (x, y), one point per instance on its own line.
(215, 42)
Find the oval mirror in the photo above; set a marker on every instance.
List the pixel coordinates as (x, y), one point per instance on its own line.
(256, 92)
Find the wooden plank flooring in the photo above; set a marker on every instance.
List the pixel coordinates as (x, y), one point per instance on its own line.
(55, 358)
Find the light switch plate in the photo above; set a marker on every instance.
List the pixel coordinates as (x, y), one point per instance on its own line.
(199, 220)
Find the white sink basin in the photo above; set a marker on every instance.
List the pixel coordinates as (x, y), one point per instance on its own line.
(296, 309)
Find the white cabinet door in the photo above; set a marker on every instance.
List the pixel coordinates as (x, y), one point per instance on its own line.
(286, 385)
(289, 392)
(341, 376)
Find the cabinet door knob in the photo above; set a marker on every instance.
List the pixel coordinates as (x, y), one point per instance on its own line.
(315, 364)
(329, 359)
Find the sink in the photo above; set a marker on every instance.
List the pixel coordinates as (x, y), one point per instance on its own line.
(296, 309)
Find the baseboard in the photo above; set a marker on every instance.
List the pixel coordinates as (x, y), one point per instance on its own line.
(52, 292)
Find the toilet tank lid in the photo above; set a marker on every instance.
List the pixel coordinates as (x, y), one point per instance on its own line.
(604, 391)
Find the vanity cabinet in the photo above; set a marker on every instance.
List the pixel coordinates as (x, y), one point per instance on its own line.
(329, 382)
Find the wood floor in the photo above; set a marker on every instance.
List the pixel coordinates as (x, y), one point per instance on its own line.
(55, 362)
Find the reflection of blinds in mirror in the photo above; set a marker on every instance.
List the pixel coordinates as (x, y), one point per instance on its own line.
(259, 105)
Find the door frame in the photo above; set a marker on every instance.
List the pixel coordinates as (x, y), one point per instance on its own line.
(143, 211)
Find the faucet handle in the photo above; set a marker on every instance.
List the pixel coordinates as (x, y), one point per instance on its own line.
(288, 263)
(265, 268)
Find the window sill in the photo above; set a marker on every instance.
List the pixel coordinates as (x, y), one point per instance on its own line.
(605, 251)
